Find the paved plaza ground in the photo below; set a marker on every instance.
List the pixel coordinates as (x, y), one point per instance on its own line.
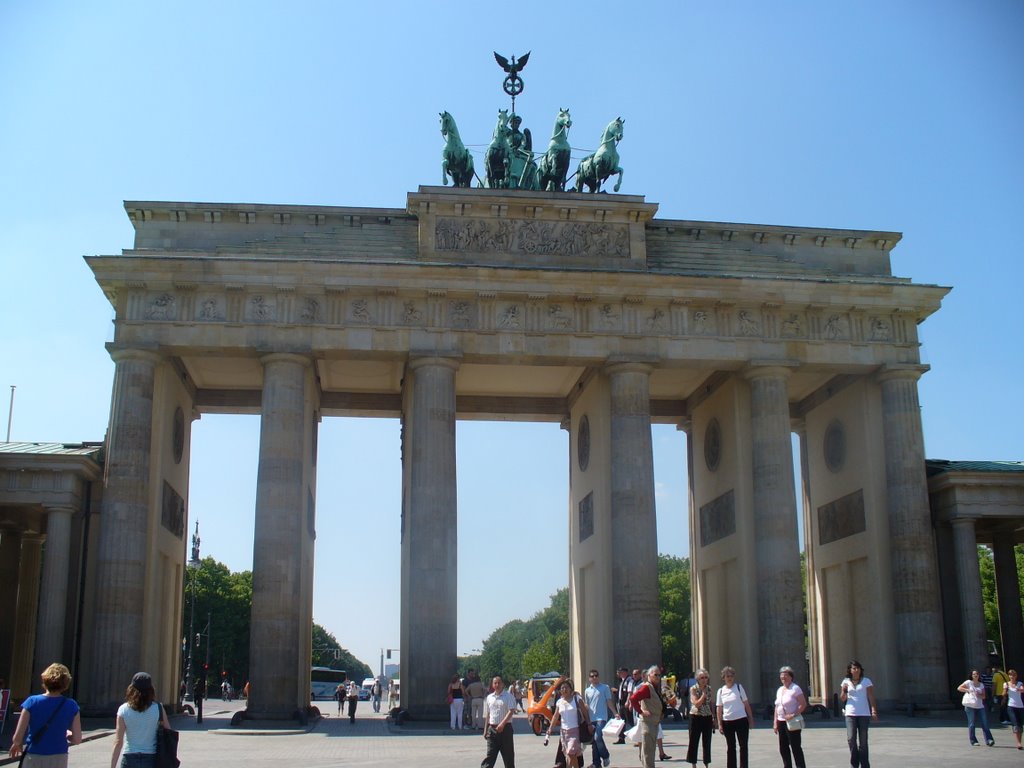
(896, 742)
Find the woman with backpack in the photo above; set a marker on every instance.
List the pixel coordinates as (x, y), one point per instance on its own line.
(734, 717)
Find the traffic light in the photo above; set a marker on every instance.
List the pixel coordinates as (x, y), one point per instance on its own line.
(198, 635)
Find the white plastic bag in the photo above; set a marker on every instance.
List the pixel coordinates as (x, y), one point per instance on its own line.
(633, 735)
(613, 728)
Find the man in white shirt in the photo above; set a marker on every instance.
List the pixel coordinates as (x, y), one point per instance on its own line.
(499, 707)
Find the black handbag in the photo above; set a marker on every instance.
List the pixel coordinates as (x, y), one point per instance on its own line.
(586, 727)
(166, 744)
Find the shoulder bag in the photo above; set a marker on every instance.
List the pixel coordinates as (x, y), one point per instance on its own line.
(586, 727)
(166, 744)
(795, 724)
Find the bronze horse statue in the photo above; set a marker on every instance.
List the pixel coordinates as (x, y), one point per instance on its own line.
(456, 161)
(499, 153)
(555, 164)
(594, 169)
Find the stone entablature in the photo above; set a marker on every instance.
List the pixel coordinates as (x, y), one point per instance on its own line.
(480, 265)
(515, 229)
(455, 309)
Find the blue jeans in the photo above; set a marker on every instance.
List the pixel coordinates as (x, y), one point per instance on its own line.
(598, 750)
(972, 716)
(857, 738)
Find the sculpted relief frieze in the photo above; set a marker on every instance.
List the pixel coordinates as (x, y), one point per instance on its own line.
(562, 238)
(632, 315)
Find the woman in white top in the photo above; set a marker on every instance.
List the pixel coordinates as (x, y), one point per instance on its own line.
(734, 717)
(137, 720)
(974, 707)
(789, 704)
(859, 694)
(1012, 691)
(570, 715)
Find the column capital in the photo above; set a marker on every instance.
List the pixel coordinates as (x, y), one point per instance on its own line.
(760, 369)
(613, 366)
(963, 522)
(286, 357)
(59, 509)
(896, 371)
(452, 361)
(121, 354)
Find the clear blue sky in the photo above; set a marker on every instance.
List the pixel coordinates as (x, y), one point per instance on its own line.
(901, 116)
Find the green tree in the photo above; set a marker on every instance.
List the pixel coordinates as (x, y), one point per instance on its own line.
(540, 644)
(987, 569)
(327, 652)
(674, 593)
(223, 603)
(223, 610)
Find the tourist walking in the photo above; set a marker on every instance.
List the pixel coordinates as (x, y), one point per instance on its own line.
(734, 717)
(137, 721)
(499, 707)
(1012, 690)
(339, 696)
(49, 722)
(456, 702)
(788, 722)
(476, 692)
(622, 691)
(600, 703)
(392, 694)
(859, 694)
(974, 707)
(646, 701)
(572, 718)
(999, 680)
(352, 694)
(702, 717)
(375, 692)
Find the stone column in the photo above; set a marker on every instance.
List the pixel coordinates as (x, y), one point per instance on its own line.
(23, 682)
(429, 537)
(123, 542)
(277, 608)
(968, 579)
(780, 611)
(636, 629)
(53, 597)
(697, 612)
(10, 557)
(814, 644)
(915, 571)
(1011, 622)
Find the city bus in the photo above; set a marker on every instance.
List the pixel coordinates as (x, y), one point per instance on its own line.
(323, 681)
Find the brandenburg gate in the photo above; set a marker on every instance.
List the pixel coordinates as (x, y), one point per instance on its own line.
(582, 309)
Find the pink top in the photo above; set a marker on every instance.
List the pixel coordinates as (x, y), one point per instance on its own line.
(786, 701)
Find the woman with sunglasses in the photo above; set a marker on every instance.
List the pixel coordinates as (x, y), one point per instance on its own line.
(974, 707)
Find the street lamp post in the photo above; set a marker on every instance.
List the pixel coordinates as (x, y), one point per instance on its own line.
(192, 568)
